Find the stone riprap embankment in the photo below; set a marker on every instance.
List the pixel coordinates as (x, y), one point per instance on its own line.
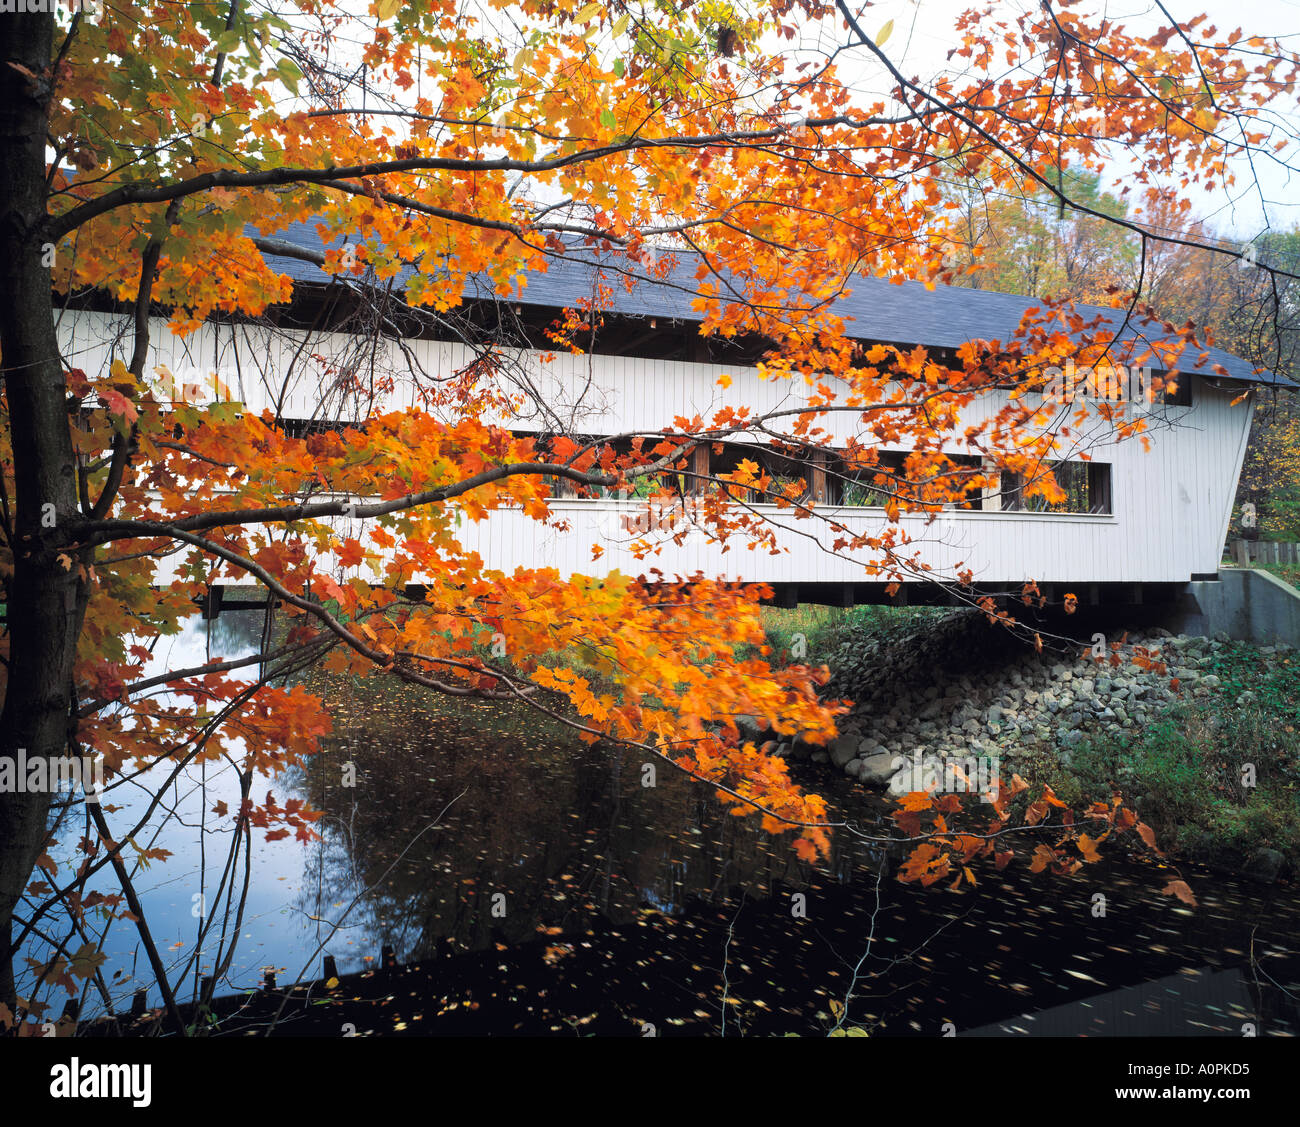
(958, 687)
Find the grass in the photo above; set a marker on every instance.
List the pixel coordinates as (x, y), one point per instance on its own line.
(1289, 573)
(1191, 771)
(825, 629)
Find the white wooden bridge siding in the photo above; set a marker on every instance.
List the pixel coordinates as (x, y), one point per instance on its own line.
(1171, 504)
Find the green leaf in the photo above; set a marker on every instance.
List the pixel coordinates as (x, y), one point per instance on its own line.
(227, 41)
(620, 25)
(290, 73)
(608, 120)
(590, 12)
(884, 33)
(619, 67)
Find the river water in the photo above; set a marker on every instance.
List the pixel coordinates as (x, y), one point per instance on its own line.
(469, 831)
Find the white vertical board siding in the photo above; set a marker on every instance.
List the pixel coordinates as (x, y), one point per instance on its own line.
(1171, 504)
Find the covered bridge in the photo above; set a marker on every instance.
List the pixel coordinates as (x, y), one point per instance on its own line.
(1134, 518)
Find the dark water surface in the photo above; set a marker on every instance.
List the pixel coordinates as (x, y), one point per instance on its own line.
(490, 840)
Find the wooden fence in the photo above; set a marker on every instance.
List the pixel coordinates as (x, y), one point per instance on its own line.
(1246, 552)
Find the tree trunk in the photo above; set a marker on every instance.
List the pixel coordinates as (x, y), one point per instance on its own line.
(43, 602)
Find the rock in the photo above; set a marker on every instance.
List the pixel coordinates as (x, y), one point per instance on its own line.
(852, 767)
(1071, 738)
(1245, 698)
(1222, 638)
(820, 756)
(842, 748)
(1265, 865)
(801, 746)
(1210, 681)
(906, 779)
(876, 770)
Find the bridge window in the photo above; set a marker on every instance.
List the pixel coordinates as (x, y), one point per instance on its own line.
(688, 480)
(854, 485)
(559, 486)
(1181, 396)
(789, 474)
(1087, 487)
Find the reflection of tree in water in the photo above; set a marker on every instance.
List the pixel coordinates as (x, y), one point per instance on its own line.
(563, 831)
(573, 841)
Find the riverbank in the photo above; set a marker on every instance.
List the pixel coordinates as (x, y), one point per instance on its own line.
(1202, 735)
(1205, 743)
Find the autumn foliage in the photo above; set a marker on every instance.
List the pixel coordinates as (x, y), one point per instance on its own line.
(187, 137)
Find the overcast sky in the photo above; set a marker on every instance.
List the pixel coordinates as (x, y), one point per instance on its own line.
(923, 34)
(1266, 196)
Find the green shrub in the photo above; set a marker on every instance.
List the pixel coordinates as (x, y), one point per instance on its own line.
(1185, 771)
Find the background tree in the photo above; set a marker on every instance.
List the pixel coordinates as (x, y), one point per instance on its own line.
(1032, 245)
(1185, 271)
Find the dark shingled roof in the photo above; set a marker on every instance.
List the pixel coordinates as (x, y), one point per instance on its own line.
(875, 309)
